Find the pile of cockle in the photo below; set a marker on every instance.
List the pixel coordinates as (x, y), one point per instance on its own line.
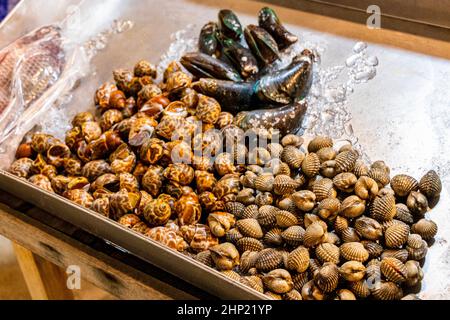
(239, 73)
(289, 220)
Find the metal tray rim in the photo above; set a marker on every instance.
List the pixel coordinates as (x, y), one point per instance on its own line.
(143, 247)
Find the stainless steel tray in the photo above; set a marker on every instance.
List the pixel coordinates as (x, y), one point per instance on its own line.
(401, 116)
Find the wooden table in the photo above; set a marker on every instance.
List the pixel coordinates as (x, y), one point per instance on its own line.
(45, 251)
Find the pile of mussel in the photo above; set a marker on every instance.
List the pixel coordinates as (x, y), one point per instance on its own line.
(233, 66)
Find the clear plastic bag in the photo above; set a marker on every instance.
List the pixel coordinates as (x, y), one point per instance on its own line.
(35, 71)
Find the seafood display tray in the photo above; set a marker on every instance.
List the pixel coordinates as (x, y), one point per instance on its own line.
(155, 253)
(409, 88)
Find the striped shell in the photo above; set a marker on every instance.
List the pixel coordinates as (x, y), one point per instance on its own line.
(234, 208)
(310, 218)
(414, 273)
(264, 182)
(328, 208)
(220, 223)
(360, 169)
(293, 235)
(233, 235)
(403, 184)
(373, 271)
(381, 177)
(345, 161)
(277, 167)
(248, 261)
(352, 271)
(300, 279)
(383, 208)
(246, 196)
(285, 219)
(101, 206)
(249, 244)
(359, 288)
(353, 207)
(231, 274)
(430, 184)
(273, 296)
(268, 259)
(94, 169)
(180, 173)
(275, 150)
(323, 189)
(278, 281)
(427, 229)
(350, 235)
(386, 291)
(400, 254)
(354, 251)
(205, 258)
(314, 266)
(380, 165)
(327, 252)
(21, 167)
(249, 212)
(328, 169)
(259, 156)
(393, 269)
(374, 249)
(273, 237)
(315, 234)
(333, 238)
(417, 203)
(369, 228)
(340, 224)
(396, 235)
(287, 203)
(366, 188)
(344, 294)
(311, 292)
(326, 154)
(403, 214)
(250, 228)
(293, 157)
(248, 179)
(298, 260)
(253, 282)
(417, 247)
(82, 197)
(304, 200)
(311, 165)
(328, 277)
(264, 199)
(267, 216)
(283, 185)
(293, 295)
(157, 212)
(345, 181)
(320, 142)
(225, 256)
(208, 109)
(292, 140)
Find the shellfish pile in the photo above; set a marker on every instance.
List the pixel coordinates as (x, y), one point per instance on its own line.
(290, 219)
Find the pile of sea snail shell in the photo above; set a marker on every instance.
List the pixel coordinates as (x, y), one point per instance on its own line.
(294, 221)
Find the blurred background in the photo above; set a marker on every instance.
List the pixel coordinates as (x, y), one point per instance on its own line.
(6, 6)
